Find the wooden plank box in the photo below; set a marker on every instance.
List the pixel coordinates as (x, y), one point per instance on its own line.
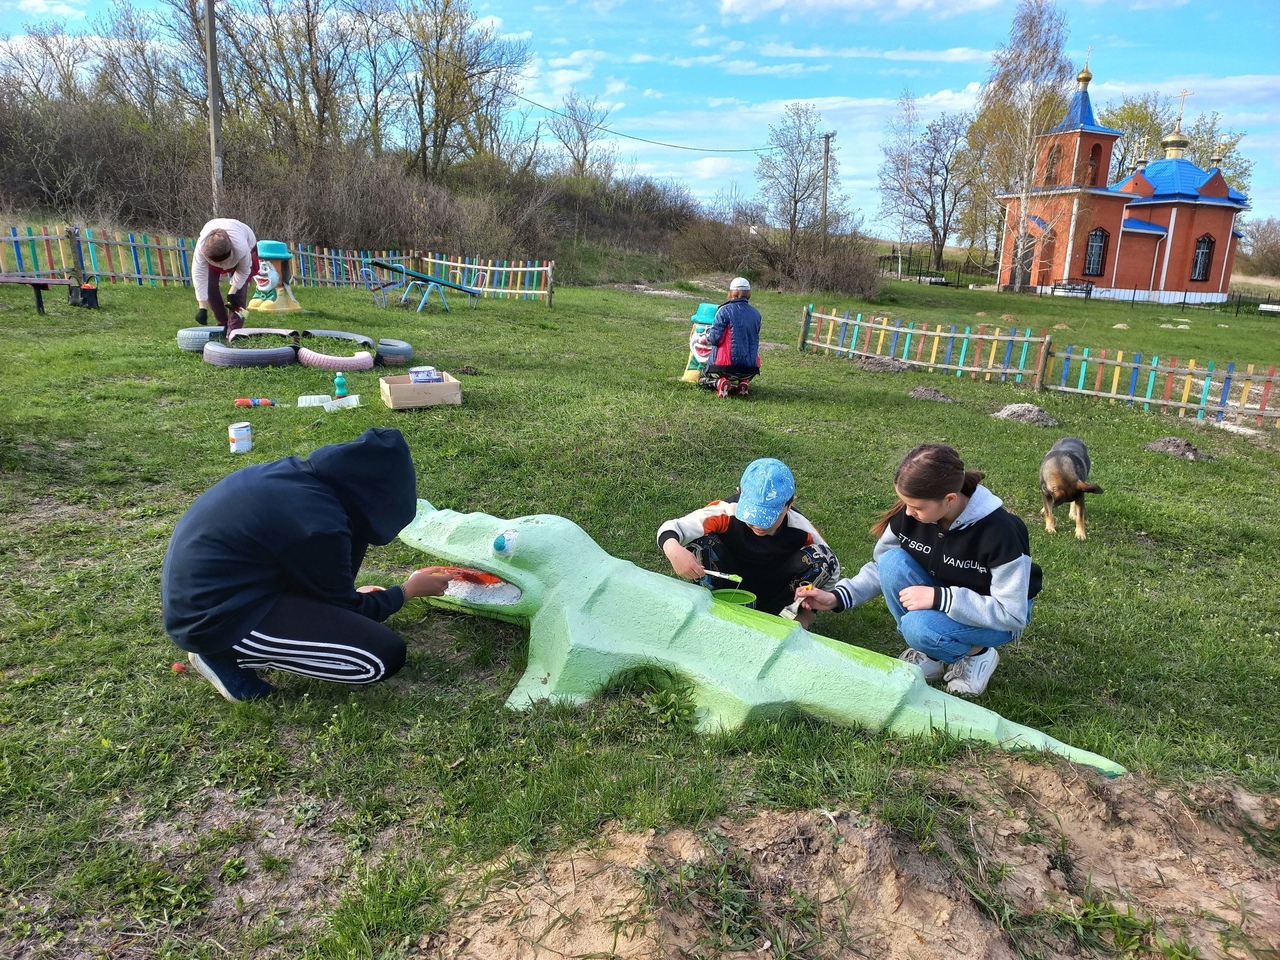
(399, 393)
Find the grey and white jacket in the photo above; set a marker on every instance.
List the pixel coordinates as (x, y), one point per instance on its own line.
(983, 563)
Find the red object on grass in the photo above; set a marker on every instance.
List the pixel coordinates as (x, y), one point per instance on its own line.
(179, 667)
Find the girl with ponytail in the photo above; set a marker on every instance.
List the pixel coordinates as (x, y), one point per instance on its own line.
(953, 566)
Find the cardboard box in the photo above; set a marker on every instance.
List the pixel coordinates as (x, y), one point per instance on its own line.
(399, 393)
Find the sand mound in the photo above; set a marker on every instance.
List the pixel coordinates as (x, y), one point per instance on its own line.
(1177, 447)
(1026, 413)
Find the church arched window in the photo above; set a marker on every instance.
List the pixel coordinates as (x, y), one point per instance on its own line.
(1203, 259)
(1095, 252)
(1051, 165)
(1095, 159)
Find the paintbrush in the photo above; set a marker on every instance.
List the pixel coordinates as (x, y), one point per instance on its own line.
(731, 577)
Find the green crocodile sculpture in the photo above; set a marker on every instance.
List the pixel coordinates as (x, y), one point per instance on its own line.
(592, 616)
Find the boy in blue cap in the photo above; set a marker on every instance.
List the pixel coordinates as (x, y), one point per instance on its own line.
(757, 534)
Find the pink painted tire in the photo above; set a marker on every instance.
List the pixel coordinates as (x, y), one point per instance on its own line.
(361, 360)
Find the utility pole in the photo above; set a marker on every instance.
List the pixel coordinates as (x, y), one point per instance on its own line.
(215, 104)
(826, 165)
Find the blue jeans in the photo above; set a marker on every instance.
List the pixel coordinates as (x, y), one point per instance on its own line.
(931, 632)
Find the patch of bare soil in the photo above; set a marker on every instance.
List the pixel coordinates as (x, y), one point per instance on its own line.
(1039, 842)
(1177, 447)
(1025, 413)
(876, 364)
(929, 393)
(645, 288)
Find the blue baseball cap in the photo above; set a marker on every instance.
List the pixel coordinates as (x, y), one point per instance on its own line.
(766, 489)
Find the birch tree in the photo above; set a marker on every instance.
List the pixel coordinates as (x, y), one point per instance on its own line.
(1025, 95)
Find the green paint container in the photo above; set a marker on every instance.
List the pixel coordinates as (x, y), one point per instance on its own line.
(743, 598)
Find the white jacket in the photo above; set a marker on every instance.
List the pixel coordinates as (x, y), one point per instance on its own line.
(243, 245)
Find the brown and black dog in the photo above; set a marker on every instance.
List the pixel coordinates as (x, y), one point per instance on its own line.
(1064, 478)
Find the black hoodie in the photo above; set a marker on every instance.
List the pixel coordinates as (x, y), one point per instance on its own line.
(291, 526)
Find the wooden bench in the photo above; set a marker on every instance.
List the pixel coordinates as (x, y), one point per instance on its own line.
(1269, 308)
(1073, 288)
(38, 284)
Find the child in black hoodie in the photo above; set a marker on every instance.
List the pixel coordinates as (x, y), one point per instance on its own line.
(954, 567)
(260, 572)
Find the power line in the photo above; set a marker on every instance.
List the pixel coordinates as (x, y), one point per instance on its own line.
(594, 126)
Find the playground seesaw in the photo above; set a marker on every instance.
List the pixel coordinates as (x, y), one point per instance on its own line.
(412, 279)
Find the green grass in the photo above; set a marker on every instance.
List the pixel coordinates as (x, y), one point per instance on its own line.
(136, 803)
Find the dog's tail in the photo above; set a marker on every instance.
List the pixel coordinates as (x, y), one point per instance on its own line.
(1084, 486)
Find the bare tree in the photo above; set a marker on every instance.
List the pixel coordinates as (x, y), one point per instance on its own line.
(1025, 95)
(380, 55)
(790, 175)
(463, 77)
(297, 70)
(579, 126)
(922, 180)
(1261, 246)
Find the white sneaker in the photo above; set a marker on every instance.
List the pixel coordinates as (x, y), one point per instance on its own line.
(932, 669)
(969, 675)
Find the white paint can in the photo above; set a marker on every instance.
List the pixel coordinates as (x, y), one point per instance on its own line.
(425, 375)
(240, 435)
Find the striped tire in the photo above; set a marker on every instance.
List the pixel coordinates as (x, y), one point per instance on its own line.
(359, 338)
(394, 351)
(221, 355)
(362, 360)
(193, 339)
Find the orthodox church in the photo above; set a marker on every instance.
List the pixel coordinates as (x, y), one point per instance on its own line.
(1164, 233)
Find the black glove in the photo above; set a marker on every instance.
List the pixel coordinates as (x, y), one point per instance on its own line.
(202, 316)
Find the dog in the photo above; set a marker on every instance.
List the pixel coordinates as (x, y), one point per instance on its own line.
(1064, 478)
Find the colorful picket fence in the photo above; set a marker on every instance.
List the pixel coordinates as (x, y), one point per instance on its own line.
(159, 261)
(992, 353)
(1002, 354)
(1166, 385)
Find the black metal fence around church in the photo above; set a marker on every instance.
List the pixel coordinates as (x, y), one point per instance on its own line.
(916, 265)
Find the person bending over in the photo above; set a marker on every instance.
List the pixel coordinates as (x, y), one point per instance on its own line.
(224, 247)
(260, 571)
(954, 567)
(757, 534)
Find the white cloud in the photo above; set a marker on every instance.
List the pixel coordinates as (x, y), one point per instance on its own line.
(748, 68)
(654, 94)
(56, 8)
(614, 86)
(749, 10)
(950, 55)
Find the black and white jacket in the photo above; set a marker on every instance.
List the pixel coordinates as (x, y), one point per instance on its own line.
(983, 563)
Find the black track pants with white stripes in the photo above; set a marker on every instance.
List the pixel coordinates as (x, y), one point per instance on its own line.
(304, 636)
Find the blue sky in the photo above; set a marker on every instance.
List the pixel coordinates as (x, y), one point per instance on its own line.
(706, 75)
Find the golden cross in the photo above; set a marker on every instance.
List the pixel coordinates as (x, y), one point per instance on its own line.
(1182, 103)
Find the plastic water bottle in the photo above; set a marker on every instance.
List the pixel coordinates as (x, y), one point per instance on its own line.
(339, 387)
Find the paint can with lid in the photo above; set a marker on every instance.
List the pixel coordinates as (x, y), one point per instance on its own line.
(240, 436)
(425, 375)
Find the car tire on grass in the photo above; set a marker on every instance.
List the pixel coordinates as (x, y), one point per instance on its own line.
(361, 360)
(394, 351)
(221, 355)
(193, 339)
